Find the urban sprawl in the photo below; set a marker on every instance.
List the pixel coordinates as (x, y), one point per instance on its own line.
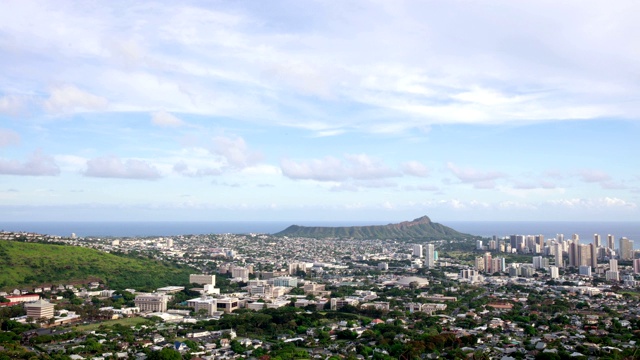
(258, 296)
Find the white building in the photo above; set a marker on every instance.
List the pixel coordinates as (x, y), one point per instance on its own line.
(207, 303)
(202, 279)
(417, 250)
(430, 256)
(240, 273)
(40, 309)
(152, 302)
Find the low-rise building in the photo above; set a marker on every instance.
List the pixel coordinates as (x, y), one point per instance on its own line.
(40, 309)
(151, 302)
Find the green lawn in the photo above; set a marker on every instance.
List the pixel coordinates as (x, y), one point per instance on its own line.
(125, 322)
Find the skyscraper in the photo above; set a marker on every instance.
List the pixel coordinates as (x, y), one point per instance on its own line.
(597, 240)
(487, 263)
(626, 249)
(430, 256)
(574, 254)
(417, 251)
(611, 242)
(539, 239)
(559, 253)
(584, 255)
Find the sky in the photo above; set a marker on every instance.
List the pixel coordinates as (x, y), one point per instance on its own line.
(319, 110)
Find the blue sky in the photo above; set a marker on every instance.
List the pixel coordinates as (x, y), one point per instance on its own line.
(290, 110)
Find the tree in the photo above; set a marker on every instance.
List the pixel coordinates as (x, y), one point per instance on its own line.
(165, 354)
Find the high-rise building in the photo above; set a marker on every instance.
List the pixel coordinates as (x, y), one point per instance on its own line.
(585, 270)
(597, 240)
(626, 249)
(613, 274)
(559, 253)
(594, 256)
(537, 262)
(430, 256)
(555, 272)
(480, 263)
(539, 240)
(584, 255)
(574, 254)
(487, 263)
(417, 250)
(497, 265)
(611, 242)
(575, 237)
(636, 266)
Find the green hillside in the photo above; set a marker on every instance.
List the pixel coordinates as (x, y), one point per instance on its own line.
(419, 229)
(34, 264)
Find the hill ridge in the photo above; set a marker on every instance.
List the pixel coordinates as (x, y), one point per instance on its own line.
(421, 228)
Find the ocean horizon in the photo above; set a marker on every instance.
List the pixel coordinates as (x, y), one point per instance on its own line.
(585, 229)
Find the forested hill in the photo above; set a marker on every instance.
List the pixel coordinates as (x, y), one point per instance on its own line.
(419, 229)
(36, 264)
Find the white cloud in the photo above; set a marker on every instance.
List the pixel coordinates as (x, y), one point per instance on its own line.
(513, 205)
(593, 203)
(235, 152)
(38, 164)
(354, 166)
(480, 179)
(181, 167)
(8, 137)
(532, 192)
(165, 119)
(415, 168)
(421, 188)
(481, 73)
(69, 99)
(12, 104)
(593, 176)
(114, 167)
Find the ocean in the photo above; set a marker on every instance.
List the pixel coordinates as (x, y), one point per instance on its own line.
(585, 229)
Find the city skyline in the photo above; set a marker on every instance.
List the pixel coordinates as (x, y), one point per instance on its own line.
(308, 111)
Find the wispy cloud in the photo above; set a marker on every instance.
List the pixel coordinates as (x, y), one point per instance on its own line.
(13, 104)
(114, 167)
(353, 166)
(165, 119)
(69, 99)
(415, 168)
(479, 179)
(481, 74)
(8, 137)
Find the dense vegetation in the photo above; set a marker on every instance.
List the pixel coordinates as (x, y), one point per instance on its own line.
(419, 229)
(36, 264)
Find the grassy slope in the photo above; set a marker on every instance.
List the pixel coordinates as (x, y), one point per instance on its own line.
(32, 264)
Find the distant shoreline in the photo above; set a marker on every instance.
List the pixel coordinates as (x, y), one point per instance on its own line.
(585, 229)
